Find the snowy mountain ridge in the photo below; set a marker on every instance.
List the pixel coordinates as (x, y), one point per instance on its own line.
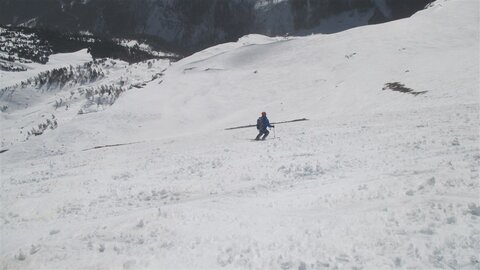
(384, 174)
(189, 26)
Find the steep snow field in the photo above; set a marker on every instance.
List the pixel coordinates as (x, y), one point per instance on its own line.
(376, 179)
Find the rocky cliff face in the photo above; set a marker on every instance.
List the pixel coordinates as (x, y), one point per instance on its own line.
(190, 25)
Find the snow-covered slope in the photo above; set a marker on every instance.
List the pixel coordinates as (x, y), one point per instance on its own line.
(383, 175)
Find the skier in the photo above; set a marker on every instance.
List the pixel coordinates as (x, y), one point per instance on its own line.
(262, 124)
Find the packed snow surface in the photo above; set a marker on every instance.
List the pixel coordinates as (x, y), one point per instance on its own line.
(385, 173)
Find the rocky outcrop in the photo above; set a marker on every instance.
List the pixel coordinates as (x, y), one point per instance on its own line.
(195, 24)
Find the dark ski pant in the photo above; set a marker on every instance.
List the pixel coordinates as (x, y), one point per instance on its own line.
(263, 132)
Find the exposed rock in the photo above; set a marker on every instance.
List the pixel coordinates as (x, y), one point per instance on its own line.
(193, 25)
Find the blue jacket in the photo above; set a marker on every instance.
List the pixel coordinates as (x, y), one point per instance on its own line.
(265, 123)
